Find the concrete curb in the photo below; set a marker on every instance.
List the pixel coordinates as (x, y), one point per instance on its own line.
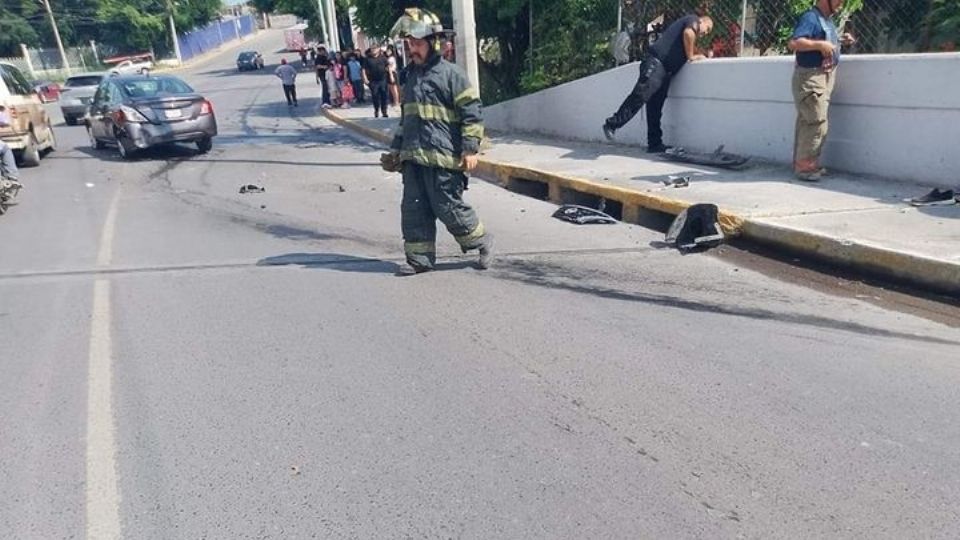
(937, 275)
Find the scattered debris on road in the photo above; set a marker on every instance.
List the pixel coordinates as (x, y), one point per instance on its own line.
(252, 188)
(677, 181)
(696, 229)
(582, 215)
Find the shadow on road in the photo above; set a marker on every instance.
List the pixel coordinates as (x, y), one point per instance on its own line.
(332, 261)
(350, 263)
(558, 278)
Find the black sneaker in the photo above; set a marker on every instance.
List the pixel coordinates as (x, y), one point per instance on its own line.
(935, 198)
(658, 148)
(608, 132)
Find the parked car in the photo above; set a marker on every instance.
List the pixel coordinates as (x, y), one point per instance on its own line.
(47, 90)
(249, 60)
(135, 112)
(77, 95)
(31, 131)
(141, 66)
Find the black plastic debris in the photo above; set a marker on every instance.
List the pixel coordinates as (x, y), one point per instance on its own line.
(252, 188)
(718, 158)
(696, 229)
(582, 215)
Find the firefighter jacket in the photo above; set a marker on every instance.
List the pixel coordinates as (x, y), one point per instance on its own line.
(441, 118)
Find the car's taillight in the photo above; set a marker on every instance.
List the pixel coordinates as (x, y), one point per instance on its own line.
(129, 114)
(206, 107)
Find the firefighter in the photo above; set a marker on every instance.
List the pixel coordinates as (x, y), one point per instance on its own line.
(435, 144)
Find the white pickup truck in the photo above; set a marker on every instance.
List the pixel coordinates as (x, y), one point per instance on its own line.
(142, 66)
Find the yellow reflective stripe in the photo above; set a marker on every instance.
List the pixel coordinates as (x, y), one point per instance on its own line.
(419, 248)
(431, 112)
(430, 158)
(473, 130)
(465, 97)
(472, 237)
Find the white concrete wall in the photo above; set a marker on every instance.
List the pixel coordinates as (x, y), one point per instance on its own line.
(896, 116)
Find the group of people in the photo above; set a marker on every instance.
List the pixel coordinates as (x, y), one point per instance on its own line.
(816, 42)
(349, 77)
(441, 128)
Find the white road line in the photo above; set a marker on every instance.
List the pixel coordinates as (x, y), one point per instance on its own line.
(105, 255)
(102, 497)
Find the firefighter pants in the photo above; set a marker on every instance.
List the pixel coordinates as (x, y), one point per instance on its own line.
(812, 88)
(651, 90)
(429, 194)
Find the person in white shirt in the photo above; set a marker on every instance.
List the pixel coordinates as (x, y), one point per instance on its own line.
(288, 76)
(8, 165)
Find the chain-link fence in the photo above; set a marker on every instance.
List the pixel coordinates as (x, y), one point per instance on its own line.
(763, 27)
(529, 45)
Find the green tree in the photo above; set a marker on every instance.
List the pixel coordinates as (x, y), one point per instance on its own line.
(944, 24)
(15, 30)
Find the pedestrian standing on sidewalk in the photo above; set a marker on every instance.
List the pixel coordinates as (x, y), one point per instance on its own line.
(322, 65)
(340, 74)
(676, 47)
(393, 76)
(375, 76)
(288, 76)
(436, 142)
(355, 74)
(816, 43)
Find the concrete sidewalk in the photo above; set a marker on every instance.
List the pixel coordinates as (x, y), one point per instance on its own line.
(852, 221)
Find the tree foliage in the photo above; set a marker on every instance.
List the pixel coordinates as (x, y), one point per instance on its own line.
(119, 25)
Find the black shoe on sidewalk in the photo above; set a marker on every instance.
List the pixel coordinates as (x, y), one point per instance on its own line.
(608, 132)
(658, 148)
(935, 198)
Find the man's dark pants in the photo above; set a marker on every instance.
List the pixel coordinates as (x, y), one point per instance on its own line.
(378, 93)
(651, 90)
(290, 92)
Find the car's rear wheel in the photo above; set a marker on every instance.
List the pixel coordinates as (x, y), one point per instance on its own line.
(204, 145)
(31, 154)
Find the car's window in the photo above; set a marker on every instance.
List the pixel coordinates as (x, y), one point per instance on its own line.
(247, 55)
(83, 80)
(154, 86)
(15, 81)
(8, 80)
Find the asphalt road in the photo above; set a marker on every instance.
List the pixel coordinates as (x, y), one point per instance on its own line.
(183, 361)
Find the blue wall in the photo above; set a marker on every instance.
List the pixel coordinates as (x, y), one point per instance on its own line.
(214, 35)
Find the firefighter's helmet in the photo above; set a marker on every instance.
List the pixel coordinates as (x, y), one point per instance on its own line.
(417, 23)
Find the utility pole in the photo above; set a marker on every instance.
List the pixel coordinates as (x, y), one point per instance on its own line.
(334, 30)
(464, 24)
(56, 35)
(173, 33)
(323, 22)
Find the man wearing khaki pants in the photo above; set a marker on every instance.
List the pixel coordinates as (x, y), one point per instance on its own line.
(816, 43)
